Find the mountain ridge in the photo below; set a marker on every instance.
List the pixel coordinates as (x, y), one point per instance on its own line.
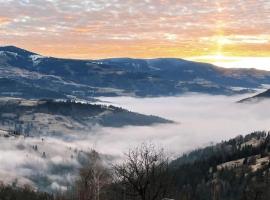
(257, 98)
(13, 48)
(124, 76)
(57, 117)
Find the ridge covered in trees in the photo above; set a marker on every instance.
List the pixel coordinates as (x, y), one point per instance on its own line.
(47, 116)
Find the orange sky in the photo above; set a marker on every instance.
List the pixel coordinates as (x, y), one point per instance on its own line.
(205, 30)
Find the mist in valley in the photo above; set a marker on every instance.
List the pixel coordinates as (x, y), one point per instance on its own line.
(199, 121)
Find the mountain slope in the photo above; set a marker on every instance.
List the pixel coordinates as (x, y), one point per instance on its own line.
(122, 76)
(233, 170)
(256, 98)
(66, 117)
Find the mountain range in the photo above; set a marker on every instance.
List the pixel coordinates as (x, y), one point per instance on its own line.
(26, 74)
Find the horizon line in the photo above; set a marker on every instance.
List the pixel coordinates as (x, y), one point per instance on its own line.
(204, 59)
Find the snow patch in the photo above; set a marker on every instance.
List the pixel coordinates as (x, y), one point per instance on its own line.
(36, 59)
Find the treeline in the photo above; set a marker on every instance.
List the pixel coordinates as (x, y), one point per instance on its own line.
(146, 173)
(197, 176)
(143, 174)
(26, 193)
(26, 117)
(227, 150)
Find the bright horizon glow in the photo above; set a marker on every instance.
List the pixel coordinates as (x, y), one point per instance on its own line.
(262, 63)
(219, 60)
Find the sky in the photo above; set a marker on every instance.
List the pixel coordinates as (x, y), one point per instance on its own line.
(229, 33)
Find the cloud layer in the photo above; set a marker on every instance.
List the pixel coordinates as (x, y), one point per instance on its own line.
(201, 120)
(144, 28)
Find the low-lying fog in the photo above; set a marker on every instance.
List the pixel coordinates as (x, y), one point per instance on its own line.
(200, 120)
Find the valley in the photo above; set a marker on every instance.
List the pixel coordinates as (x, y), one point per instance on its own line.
(134, 100)
(53, 112)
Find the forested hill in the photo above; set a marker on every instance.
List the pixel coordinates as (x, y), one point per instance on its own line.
(237, 169)
(64, 117)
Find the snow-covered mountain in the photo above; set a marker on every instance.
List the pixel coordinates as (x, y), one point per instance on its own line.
(29, 75)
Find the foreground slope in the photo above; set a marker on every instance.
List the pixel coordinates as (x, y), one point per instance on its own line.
(233, 170)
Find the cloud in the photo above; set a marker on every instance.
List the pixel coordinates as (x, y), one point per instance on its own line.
(201, 119)
(23, 164)
(4, 21)
(99, 27)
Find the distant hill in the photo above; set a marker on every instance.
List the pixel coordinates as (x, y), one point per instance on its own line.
(37, 117)
(49, 77)
(256, 98)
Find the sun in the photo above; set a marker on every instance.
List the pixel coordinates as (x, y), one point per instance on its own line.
(223, 40)
(218, 57)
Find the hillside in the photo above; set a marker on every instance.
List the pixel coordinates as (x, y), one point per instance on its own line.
(231, 170)
(256, 98)
(65, 117)
(55, 77)
(236, 169)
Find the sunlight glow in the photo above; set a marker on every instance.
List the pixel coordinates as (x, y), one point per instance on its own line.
(220, 60)
(218, 57)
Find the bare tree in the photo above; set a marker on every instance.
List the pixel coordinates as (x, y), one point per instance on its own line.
(144, 174)
(94, 176)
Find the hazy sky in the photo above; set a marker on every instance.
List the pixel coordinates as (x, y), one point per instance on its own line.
(218, 31)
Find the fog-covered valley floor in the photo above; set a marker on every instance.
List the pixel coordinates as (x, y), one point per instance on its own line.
(200, 120)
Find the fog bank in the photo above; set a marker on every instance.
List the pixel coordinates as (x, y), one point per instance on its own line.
(200, 120)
